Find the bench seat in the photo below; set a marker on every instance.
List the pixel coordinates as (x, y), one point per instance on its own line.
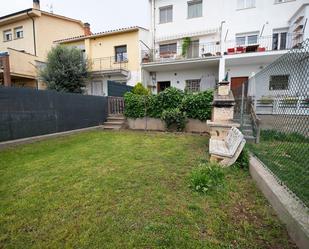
(228, 150)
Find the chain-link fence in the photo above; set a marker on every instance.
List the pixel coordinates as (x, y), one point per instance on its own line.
(281, 101)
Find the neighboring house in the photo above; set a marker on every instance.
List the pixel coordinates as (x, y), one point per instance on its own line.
(196, 42)
(113, 56)
(26, 38)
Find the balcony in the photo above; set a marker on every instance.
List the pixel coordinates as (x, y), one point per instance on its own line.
(256, 44)
(195, 52)
(106, 66)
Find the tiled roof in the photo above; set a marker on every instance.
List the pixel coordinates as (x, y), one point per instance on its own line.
(103, 33)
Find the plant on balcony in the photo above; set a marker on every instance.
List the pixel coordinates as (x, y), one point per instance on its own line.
(186, 42)
(66, 70)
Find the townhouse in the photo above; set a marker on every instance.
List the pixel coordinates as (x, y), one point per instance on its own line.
(196, 43)
(27, 37)
(112, 56)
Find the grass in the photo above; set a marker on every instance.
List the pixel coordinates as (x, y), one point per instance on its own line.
(286, 155)
(127, 190)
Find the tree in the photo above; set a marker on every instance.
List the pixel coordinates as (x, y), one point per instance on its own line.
(66, 70)
(139, 89)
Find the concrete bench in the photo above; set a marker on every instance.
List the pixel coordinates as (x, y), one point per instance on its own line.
(228, 150)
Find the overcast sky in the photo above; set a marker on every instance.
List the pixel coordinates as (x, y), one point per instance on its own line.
(101, 14)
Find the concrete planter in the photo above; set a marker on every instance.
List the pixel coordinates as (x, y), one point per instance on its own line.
(155, 124)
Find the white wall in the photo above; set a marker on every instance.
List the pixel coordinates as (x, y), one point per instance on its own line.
(178, 78)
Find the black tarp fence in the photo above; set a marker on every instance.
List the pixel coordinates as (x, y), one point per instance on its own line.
(28, 112)
(117, 89)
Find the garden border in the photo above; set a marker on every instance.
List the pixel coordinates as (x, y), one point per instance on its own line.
(292, 213)
(29, 140)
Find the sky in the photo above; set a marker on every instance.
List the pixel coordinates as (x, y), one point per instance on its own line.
(101, 14)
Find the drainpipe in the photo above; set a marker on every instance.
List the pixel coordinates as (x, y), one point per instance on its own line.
(33, 28)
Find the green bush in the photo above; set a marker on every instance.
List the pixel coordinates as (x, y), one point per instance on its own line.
(243, 159)
(135, 105)
(174, 119)
(170, 98)
(198, 106)
(207, 177)
(139, 89)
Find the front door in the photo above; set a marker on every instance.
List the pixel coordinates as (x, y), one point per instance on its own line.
(162, 85)
(236, 86)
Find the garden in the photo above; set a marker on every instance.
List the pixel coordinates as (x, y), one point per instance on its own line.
(130, 190)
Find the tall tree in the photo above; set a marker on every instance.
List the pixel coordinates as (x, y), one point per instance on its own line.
(66, 70)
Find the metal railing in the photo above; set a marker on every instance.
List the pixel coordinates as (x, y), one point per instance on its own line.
(107, 63)
(195, 51)
(263, 44)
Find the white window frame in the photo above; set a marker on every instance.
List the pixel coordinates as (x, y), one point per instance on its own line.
(246, 37)
(195, 87)
(165, 8)
(245, 4)
(7, 32)
(280, 32)
(194, 2)
(18, 30)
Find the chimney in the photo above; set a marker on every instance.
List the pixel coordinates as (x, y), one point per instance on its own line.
(87, 30)
(36, 4)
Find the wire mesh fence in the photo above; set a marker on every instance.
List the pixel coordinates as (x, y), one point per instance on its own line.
(281, 99)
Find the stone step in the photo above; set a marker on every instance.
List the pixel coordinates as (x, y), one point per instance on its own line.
(116, 118)
(112, 127)
(247, 132)
(110, 123)
(250, 139)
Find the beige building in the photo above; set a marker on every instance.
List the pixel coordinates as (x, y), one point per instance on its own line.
(113, 56)
(26, 38)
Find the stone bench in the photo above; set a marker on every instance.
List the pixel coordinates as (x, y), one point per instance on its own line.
(228, 150)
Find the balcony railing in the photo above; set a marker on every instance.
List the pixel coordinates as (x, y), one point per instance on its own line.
(108, 64)
(195, 51)
(263, 44)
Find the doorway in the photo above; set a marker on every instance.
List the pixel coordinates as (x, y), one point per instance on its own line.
(236, 86)
(162, 85)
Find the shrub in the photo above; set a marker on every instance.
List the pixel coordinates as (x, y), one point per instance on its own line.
(174, 119)
(135, 105)
(139, 89)
(198, 106)
(207, 177)
(170, 98)
(243, 159)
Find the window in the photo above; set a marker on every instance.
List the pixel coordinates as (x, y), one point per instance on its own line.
(193, 85)
(168, 49)
(121, 53)
(195, 8)
(18, 33)
(280, 40)
(166, 14)
(279, 82)
(7, 35)
(245, 4)
(246, 39)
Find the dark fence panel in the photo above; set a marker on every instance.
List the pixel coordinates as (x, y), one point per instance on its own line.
(116, 89)
(28, 112)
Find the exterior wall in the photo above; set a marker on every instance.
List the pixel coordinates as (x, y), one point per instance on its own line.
(25, 43)
(50, 29)
(208, 77)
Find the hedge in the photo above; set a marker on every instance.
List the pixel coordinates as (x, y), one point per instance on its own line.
(194, 105)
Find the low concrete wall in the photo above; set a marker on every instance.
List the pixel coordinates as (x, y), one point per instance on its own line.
(290, 212)
(154, 124)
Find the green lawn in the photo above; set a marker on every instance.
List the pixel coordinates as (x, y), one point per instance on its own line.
(127, 190)
(288, 160)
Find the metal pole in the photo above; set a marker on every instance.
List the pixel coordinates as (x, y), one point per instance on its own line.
(242, 106)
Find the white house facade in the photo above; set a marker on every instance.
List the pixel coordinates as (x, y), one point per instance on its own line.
(195, 43)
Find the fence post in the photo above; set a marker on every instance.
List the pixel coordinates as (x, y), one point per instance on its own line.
(242, 106)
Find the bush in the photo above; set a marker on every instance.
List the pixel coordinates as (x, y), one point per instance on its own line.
(243, 159)
(198, 106)
(139, 89)
(135, 105)
(174, 119)
(207, 177)
(170, 98)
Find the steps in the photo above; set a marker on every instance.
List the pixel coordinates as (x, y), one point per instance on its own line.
(114, 122)
(247, 128)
